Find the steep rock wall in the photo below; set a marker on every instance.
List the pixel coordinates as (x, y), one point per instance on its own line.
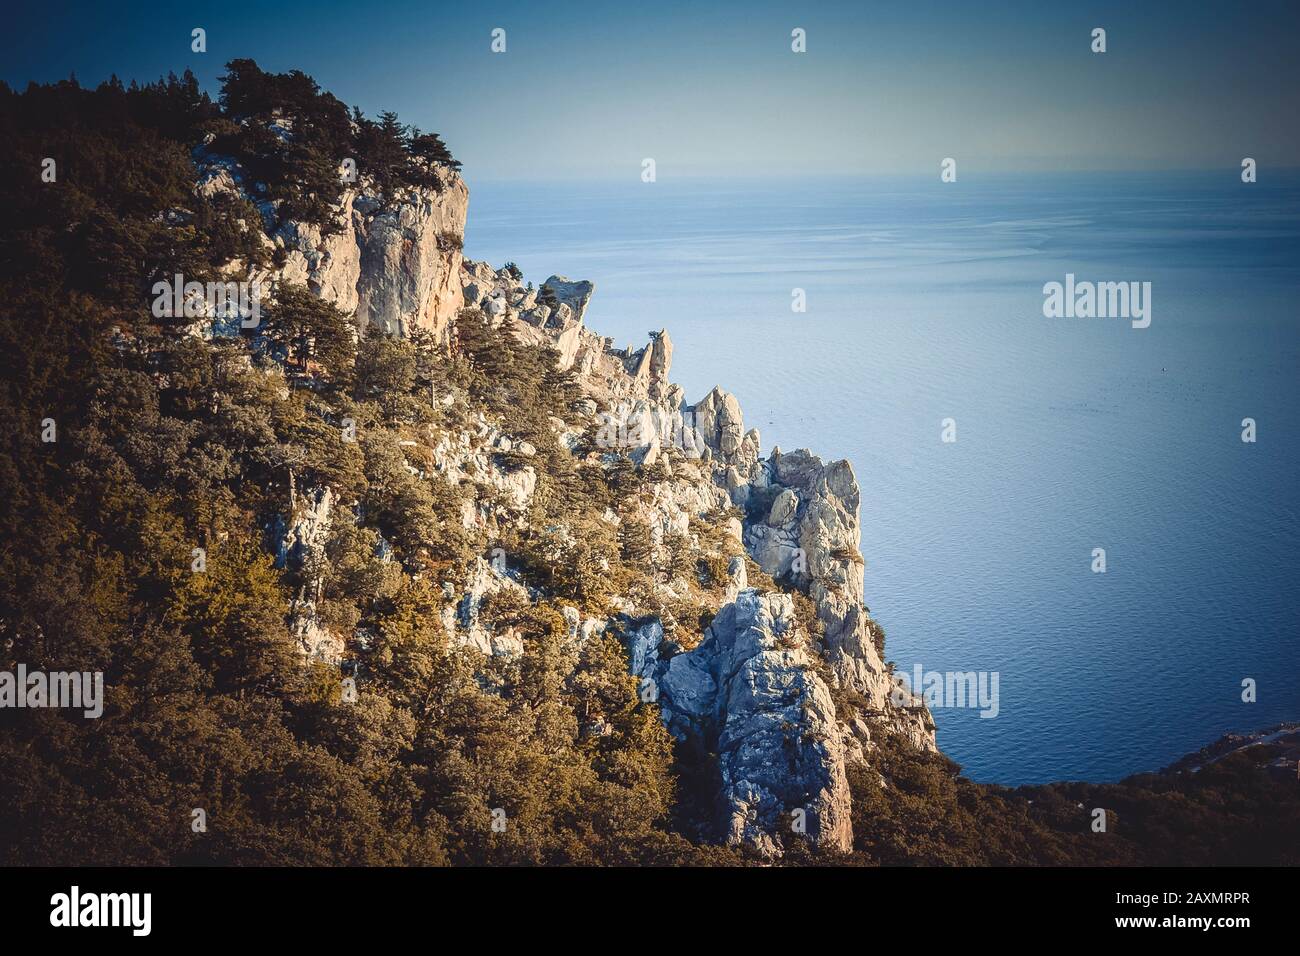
(395, 262)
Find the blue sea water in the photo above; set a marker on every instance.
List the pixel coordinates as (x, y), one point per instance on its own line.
(925, 302)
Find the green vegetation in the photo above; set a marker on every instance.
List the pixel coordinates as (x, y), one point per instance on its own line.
(293, 137)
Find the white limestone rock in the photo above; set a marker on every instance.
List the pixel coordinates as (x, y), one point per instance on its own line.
(749, 694)
(461, 620)
(718, 419)
(410, 258)
(396, 264)
(559, 293)
(815, 516)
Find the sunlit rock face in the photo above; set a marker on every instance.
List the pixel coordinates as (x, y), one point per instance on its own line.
(749, 694)
(393, 261)
(410, 258)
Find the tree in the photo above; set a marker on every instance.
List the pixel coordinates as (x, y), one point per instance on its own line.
(307, 329)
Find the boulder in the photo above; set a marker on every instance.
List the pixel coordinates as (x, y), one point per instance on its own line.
(560, 293)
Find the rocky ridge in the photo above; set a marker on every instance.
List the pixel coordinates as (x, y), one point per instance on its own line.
(764, 709)
(759, 690)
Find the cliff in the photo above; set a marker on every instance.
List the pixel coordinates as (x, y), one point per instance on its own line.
(398, 268)
(392, 261)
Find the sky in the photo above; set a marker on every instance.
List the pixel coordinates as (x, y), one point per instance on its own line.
(589, 90)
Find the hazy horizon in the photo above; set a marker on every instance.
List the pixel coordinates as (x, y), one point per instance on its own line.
(583, 92)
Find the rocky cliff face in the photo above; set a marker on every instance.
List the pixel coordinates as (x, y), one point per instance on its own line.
(782, 704)
(553, 315)
(810, 536)
(395, 262)
(802, 514)
(750, 692)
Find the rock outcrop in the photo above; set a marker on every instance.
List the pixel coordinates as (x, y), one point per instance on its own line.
(410, 255)
(461, 620)
(553, 315)
(810, 537)
(301, 547)
(802, 528)
(759, 705)
(757, 692)
(749, 694)
(393, 261)
(718, 418)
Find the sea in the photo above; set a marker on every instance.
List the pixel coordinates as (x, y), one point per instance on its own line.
(923, 320)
